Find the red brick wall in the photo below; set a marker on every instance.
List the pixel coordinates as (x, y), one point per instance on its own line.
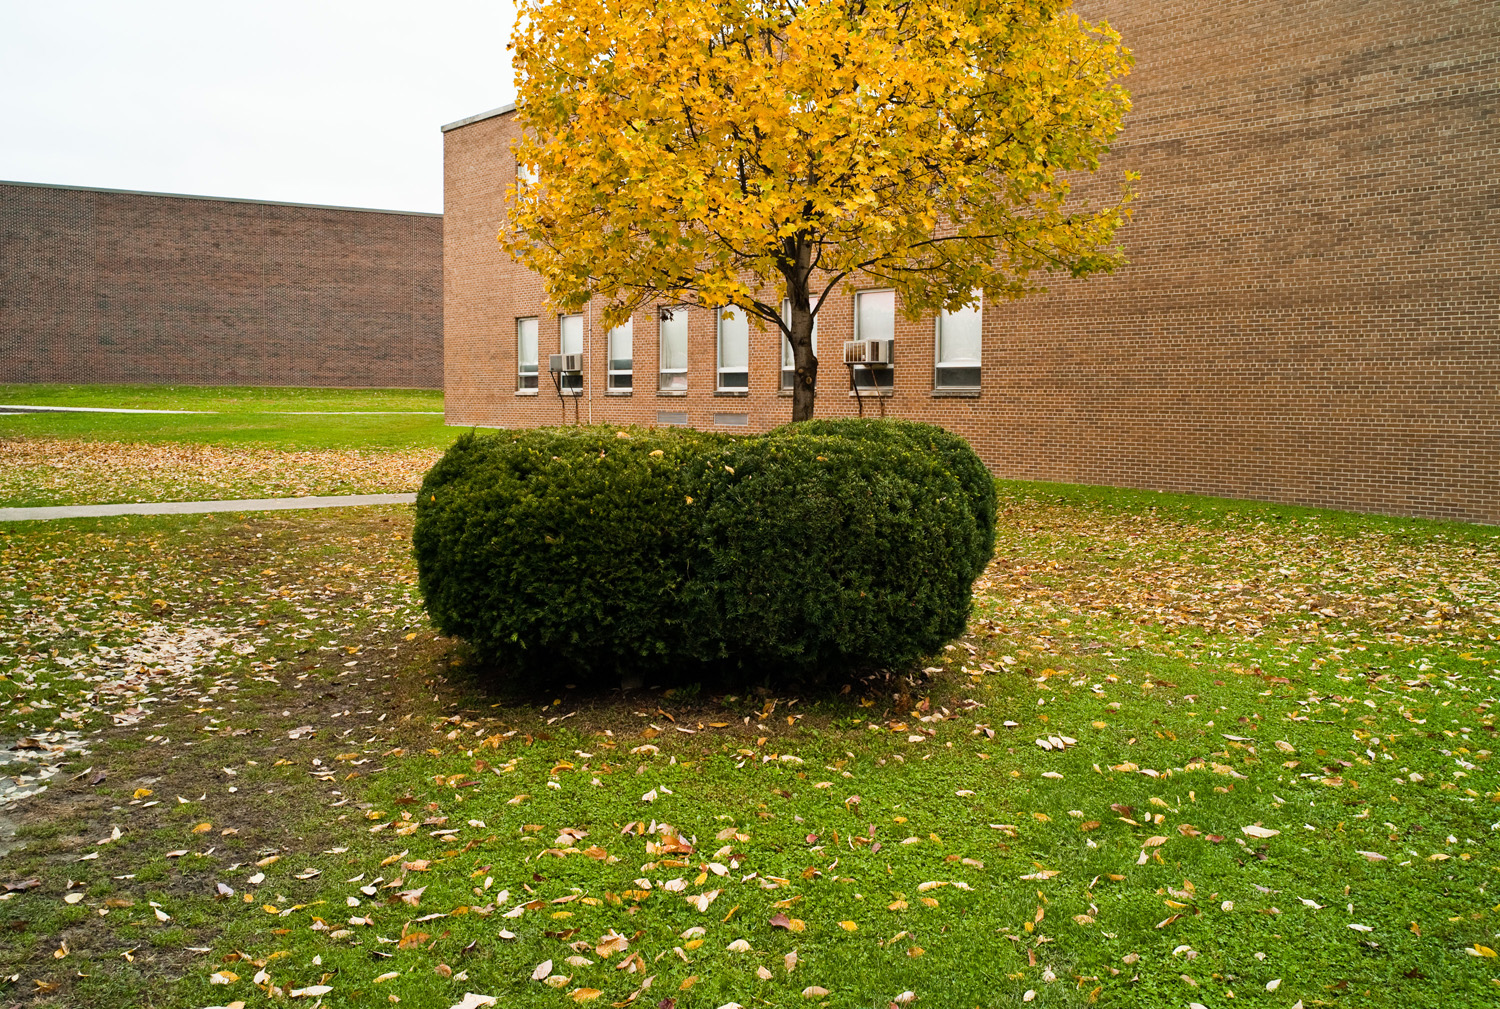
(1311, 314)
(103, 286)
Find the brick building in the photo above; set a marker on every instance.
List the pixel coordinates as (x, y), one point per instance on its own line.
(1311, 314)
(102, 285)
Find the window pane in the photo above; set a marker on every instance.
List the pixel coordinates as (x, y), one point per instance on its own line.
(621, 380)
(957, 378)
(526, 343)
(620, 340)
(674, 341)
(875, 315)
(734, 339)
(958, 336)
(788, 362)
(570, 334)
(526, 354)
(874, 378)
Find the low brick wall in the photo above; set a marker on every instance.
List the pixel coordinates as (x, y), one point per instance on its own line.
(110, 286)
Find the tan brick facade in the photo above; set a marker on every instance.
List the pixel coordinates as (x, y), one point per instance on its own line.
(1311, 314)
(110, 286)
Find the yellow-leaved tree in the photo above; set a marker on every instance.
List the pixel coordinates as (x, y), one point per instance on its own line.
(742, 152)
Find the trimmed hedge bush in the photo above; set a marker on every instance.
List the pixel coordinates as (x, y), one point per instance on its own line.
(594, 552)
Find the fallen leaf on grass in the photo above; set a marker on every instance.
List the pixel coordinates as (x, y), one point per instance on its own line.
(702, 900)
(473, 1001)
(1255, 830)
(610, 943)
(311, 991)
(584, 994)
(814, 991)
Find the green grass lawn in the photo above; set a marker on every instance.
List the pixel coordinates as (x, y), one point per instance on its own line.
(250, 442)
(1276, 782)
(236, 416)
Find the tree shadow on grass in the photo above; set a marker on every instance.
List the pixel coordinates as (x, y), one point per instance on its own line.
(709, 694)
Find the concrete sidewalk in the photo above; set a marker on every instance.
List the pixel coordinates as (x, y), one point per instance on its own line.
(200, 507)
(25, 408)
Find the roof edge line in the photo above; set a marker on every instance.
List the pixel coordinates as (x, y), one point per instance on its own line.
(491, 114)
(217, 199)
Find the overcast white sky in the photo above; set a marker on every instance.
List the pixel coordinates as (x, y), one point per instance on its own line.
(309, 101)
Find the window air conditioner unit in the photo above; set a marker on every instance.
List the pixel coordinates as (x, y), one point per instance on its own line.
(870, 353)
(565, 363)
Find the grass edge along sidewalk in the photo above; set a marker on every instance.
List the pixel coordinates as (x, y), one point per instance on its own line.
(201, 507)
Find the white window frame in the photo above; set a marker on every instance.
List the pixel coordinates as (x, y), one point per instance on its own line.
(720, 370)
(526, 381)
(939, 364)
(870, 374)
(671, 381)
(572, 385)
(788, 361)
(620, 381)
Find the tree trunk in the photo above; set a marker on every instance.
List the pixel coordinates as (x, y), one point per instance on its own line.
(805, 382)
(798, 271)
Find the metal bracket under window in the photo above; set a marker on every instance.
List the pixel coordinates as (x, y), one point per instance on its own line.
(559, 365)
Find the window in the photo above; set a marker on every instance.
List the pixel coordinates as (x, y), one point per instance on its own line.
(958, 341)
(734, 350)
(525, 175)
(788, 362)
(874, 319)
(570, 341)
(526, 355)
(620, 360)
(673, 338)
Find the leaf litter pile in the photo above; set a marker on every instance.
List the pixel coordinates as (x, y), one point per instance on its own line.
(1190, 754)
(62, 471)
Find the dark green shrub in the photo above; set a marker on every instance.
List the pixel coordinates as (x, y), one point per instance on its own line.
(589, 550)
(562, 546)
(956, 455)
(828, 552)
